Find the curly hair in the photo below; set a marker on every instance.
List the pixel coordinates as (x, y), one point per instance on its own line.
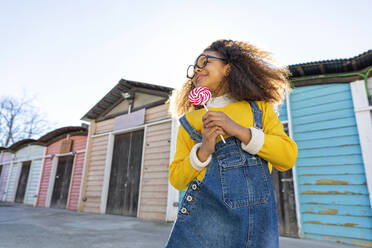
(252, 76)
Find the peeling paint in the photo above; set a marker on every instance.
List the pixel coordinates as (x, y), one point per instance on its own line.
(331, 181)
(329, 211)
(312, 203)
(312, 192)
(331, 224)
(309, 212)
(348, 241)
(307, 183)
(350, 224)
(362, 243)
(313, 222)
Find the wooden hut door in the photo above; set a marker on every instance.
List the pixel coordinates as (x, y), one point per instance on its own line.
(62, 182)
(285, 200)
(22, 183)
(125, 174)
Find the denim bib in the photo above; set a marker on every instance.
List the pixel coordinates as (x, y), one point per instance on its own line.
(234, 205)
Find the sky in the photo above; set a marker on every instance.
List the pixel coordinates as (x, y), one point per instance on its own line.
(67, 55)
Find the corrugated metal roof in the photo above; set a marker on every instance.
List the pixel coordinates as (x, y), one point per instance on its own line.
(114, 96)
(333, 66)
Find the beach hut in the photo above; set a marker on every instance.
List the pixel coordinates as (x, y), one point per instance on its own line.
(329, 117)
(5, 161)
(62, 167)
(25, 171)
(128, 154)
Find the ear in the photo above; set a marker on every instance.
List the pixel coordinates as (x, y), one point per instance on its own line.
(226, 69)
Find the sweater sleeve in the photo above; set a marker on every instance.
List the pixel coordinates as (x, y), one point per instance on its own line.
(181, 171)
(278, 149)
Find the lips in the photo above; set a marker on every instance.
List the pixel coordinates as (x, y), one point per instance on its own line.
(199, 77)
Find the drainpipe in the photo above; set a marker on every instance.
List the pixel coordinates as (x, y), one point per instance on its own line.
(363, 74)
(129, 96)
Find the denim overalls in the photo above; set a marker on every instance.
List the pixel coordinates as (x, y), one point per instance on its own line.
(234, 205)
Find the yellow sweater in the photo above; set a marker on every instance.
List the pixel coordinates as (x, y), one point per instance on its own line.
(278, 149)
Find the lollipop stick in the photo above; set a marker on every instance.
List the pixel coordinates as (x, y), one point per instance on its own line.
(220, 134)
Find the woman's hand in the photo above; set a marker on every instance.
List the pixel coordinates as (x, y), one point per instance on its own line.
(229, 127)
(220, 119)
(209, 142)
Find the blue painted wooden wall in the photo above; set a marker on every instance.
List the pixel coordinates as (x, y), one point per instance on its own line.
(333, 195)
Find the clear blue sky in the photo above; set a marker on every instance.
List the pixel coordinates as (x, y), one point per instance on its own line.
(69, 54)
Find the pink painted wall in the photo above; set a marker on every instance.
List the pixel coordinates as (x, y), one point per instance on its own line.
(79, 143)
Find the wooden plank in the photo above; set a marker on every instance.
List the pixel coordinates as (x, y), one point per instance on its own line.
(159, 108)
(350, 159)
(155, 175)
(99, 150)
(98, 167)
(319, 169)
(99, 143)
(333, 189)
(160, 195)
(337, 114)
(155, 188)
(330, 151)
(162, 162)
(165, 131)
(321, 134)
(158, 138)
(341, 231)
(153, 208)
(333, 179)
(105, 126)
(91, 204)
(95, 183)
(331, 142)
(341, 240)
(151, 169)
(342, 210)
(157, 155)
(350, 221)
(159, 127)
(339, 123)
(152, 216)
(154, 181)
(322, 100)
(99, 139)
(93, 193)
(359, 200)
(98, 164)
(91, 210)
(151, 201)
(95, 173)
(163, 149)
(95, 178)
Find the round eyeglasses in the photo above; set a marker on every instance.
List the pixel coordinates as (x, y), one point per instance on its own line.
(201, 62)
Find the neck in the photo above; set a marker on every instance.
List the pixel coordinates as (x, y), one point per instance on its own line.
(220, 101)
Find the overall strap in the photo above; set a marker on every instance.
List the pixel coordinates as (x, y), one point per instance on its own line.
(257, 115)
(195, 135)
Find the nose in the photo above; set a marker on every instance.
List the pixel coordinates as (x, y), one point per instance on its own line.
(196, 70)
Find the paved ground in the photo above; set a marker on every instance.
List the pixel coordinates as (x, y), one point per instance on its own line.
(27, 227)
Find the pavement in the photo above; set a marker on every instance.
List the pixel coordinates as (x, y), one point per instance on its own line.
(24, 226)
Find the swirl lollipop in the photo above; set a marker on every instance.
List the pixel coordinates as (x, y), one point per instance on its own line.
(201, 96)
